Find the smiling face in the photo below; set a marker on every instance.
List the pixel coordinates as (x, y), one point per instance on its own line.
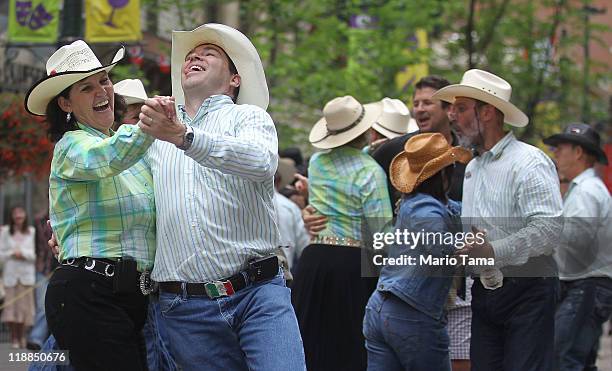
(91, 101)
(207, 69)
(429, 114)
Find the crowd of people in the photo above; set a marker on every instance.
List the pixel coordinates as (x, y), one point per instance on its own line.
(179, 226)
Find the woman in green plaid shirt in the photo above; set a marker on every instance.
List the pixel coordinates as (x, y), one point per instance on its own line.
(350, 189)
(102, 210)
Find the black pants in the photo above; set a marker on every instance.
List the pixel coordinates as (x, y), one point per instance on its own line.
(513, 326)
(100, 329)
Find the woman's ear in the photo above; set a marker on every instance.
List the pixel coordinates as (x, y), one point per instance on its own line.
(64, 104)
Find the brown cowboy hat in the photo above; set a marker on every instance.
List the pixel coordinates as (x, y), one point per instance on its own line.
(423, 156)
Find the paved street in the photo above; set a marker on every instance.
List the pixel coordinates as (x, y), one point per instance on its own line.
(604, 362)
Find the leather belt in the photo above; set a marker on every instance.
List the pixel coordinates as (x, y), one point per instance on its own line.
(220, 288)
(103, 267)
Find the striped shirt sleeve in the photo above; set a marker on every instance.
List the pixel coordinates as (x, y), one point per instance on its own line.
(249, 152)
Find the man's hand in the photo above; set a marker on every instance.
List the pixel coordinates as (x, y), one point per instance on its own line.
(18, 255)
(53, 245)
(314, 223)
(478, 250)
(158, 119)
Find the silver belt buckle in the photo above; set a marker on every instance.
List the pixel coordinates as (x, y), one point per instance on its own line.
(147, 285)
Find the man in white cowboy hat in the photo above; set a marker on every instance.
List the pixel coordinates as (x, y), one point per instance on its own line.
(223, 299)
(585, 256)
(511, 191)
(394, 121)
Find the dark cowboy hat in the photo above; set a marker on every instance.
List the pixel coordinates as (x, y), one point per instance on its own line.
(583, 135)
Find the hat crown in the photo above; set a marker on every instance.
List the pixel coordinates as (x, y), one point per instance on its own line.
(422, 148)
(487, 82)
(77, 56)
(342, 112)
(132, 89)
(395, 115)
(584, 130)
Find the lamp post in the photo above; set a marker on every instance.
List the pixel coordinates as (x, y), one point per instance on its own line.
(588, 11)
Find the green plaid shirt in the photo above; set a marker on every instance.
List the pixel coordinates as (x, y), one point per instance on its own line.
(101, 195)
(350, 188)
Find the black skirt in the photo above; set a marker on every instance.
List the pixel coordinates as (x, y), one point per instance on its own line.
(329, 296)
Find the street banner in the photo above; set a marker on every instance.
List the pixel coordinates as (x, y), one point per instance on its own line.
(33, 21)
(112, 21)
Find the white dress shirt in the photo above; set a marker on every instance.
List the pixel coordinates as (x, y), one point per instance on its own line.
(512, 191)
(17, 270)
(586, 250)
(293, 235)
(215, 208)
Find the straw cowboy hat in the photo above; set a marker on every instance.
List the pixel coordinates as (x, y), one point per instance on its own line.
(423, 156)
(582, 135)
(344, 119)
(287, 170)
(394, 119)
(486, 87)
(253, 86)
(131, 90)
(68, 65)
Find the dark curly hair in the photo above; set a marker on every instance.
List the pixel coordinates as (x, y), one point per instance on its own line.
(56, 118)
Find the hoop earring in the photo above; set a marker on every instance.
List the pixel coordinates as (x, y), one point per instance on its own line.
(68, 116)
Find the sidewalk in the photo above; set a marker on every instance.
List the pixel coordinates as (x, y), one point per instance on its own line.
(604, 362)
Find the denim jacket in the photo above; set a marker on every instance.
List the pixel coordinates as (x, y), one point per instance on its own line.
(423, 285)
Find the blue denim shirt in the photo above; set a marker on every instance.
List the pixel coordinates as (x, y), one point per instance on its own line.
(423, 286)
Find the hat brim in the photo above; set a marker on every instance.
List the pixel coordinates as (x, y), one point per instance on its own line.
(412, 127)
(319, 138)
(253, 86)
(555, 140)
(405, 180)
(512, 115)
(41, 93)
(132, 100)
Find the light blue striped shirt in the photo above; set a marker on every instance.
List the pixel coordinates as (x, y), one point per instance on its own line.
(512, 191)
(215, 207)
(586, 250)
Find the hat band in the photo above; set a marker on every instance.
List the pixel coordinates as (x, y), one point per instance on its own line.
(352, 125)
(393, 131)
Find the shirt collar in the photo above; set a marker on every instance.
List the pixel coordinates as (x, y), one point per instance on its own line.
(94, 131)
(499, 147)
(210, 104)
(588, 173)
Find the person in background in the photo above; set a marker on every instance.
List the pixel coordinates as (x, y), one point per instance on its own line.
(18, 254)
(134, 94)
(294, 237)
(349, 188)
(405, 320)
(585, 254)
(394, 121)
(45, 264)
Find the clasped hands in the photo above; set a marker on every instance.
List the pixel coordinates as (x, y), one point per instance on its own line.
(158, 119)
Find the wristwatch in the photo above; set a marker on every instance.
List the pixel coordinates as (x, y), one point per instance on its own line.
(187, 138)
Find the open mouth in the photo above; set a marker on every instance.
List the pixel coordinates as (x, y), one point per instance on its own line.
(194, 68)
(102, 106)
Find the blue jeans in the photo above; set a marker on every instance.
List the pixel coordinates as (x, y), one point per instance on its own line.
(40, 331)
(586, 304)
(49, 346)
(158, 353)
(254, 329)
(399, 337)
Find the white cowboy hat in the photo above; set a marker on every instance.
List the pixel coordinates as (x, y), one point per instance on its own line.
(344, 119)
(253, 86)
(131, 90)
(68, 65)
(394, 119)
(486, 87)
